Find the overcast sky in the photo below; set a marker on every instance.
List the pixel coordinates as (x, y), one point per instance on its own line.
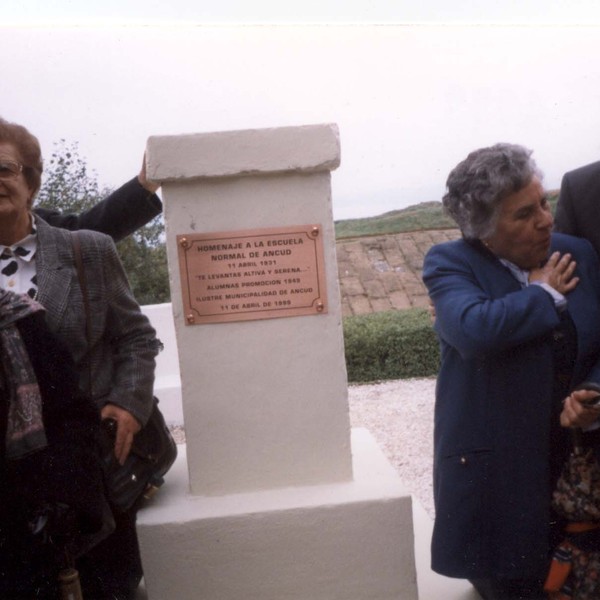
(304, 11)
(412, 87)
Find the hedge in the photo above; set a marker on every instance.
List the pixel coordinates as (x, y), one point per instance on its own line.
(390, 345)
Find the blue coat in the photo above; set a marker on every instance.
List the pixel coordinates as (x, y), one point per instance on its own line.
(493, 412)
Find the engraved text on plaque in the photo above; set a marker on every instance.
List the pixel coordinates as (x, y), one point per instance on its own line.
(252, 274)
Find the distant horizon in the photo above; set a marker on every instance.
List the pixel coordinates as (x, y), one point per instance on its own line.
(551, 192)
(410, 102)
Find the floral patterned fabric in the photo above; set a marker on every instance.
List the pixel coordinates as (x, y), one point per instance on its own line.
(575, 572)
(25, 427)
(577, 493)
(575, 569)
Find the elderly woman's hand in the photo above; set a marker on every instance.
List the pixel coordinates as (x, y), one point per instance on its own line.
(127, 427)
(576, 413)
(557, 273)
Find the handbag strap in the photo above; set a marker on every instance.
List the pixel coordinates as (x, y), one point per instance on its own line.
(78, 255)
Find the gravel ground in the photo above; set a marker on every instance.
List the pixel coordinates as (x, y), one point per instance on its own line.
(399, 414)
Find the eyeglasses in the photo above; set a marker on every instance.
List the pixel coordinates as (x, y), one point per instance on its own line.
(10, 169)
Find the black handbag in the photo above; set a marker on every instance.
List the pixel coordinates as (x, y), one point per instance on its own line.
(153, 451)
(152, 454)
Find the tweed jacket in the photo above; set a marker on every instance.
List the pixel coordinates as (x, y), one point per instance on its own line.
(128, 208)
(496, 424)
(578, 208)
(123, 343)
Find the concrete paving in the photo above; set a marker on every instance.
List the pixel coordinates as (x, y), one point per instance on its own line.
(383, 272)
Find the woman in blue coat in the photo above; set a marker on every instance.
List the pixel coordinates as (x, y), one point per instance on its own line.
(518, 317)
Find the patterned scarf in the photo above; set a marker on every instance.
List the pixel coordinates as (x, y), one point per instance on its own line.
(25, 427)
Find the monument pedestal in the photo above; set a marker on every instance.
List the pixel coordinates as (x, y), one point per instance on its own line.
(272, 499)
(352, 540)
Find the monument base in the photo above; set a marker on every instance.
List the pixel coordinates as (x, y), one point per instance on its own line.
(350, 540)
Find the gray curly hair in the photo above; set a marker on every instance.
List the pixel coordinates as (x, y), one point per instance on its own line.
(478, 184)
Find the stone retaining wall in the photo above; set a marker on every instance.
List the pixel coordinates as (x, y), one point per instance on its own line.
(383, 272)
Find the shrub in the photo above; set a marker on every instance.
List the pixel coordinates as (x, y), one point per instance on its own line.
(390, 345)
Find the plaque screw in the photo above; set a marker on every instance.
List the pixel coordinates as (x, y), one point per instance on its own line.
(183, 242)
(190, 318)
(314, 232)
(320, 307)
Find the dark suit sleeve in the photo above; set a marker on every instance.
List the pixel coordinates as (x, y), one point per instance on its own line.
(120, 214)
(564, 219)
(578, 209)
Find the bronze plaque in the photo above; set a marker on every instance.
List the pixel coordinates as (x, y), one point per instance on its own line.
(252, 274)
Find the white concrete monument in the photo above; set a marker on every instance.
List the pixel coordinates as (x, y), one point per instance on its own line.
(273, 497)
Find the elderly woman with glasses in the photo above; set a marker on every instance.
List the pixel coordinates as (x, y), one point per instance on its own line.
(518, 318)
(114, 359)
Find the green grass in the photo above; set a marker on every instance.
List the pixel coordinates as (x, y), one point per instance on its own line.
(427, 215)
